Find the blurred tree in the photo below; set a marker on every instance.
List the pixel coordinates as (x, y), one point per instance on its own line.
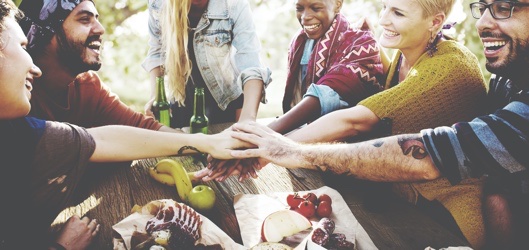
(125, 48)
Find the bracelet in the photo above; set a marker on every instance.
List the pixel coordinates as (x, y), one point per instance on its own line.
(181, 150)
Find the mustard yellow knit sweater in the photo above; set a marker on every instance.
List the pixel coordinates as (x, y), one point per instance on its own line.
(439, 90)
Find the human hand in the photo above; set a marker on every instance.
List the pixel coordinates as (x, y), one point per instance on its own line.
(220, 170)
(271, 146)
(78, 233)
(147, 108)
(220, 145)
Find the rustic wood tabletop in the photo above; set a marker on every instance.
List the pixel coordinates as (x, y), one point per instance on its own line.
(111, 190)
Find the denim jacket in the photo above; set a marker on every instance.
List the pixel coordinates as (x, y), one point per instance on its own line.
(225, 44)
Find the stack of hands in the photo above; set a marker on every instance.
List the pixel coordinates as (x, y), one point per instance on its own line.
(262, 146)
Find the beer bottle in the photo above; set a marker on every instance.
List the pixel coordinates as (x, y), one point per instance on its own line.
(199, 121)
(160, 106)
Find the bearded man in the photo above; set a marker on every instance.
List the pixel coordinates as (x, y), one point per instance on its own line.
(65, 42)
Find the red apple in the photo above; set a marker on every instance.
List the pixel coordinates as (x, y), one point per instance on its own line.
(283, 223)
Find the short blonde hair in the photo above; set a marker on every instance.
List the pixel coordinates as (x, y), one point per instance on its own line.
(174, 23)
(432, 7)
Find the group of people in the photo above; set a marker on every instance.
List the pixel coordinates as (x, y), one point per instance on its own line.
(448, 140)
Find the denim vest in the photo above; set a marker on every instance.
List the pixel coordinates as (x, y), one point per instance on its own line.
(225, 44)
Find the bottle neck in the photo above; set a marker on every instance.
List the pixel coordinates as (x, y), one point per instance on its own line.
(160, 89)
(199, 108)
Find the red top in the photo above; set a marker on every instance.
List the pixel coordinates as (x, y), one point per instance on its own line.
(90, 104)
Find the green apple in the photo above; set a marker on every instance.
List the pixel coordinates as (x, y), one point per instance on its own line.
(202, 198)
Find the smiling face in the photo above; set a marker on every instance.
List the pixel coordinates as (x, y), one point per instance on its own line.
(16, 71)
(316, 16)
(506, 41)
(405, 26)
(80, 39)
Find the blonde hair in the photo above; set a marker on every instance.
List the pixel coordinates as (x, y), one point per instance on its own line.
(174, 27)
(432, 7)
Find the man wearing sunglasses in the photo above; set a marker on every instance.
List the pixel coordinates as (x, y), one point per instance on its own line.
(494, 145)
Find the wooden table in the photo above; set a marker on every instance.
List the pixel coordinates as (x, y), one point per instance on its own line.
(113, 190)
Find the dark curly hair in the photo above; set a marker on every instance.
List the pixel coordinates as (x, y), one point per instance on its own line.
(7, 7)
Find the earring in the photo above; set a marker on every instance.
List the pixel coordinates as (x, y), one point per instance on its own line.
(431, 47)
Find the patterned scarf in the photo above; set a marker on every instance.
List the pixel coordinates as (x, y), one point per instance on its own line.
(43, 18)
(345, 59)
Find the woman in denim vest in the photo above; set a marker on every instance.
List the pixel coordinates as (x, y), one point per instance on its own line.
(214, 46)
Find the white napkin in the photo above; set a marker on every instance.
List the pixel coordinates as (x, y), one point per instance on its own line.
(252, 209)
(211, 233)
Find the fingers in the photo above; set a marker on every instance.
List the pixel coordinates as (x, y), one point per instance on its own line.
(201, 173)
(149, 113)
(253, 168)
(248, 169)
(214, 175)
(78, 232)
(96, 230)
(243, 175)
(85, 220)
(247, 153)
(93, 227)
(245, 168)
(228, 170)
(218, 168)
(215, 164)
(209, 159)
(249, 138)
(252, 128)
(147, 108)
(224, 177)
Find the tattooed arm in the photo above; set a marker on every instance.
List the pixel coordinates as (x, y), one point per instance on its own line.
(395, 158)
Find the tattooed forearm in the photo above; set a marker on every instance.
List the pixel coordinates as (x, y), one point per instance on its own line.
(181, 150)
(414, 145)
(335, 161)
(396, 158)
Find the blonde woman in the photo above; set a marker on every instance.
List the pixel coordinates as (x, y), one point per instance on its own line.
(210, 44)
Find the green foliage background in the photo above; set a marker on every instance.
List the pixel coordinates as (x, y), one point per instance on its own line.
(126, 40)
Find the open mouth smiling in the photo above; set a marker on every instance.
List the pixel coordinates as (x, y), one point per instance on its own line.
(311, 27)
(390, 33)
(95, 46)
(496, 45)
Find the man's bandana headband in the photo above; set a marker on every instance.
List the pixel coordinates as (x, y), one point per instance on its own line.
(43, 18)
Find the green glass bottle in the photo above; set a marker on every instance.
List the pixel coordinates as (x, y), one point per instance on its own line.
(199, 121)
(160, 106)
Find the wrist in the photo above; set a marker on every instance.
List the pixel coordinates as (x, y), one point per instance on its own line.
(200, 144)
(56, 246)
(246, 118)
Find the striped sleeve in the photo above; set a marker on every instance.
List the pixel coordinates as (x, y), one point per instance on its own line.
(495, 144)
